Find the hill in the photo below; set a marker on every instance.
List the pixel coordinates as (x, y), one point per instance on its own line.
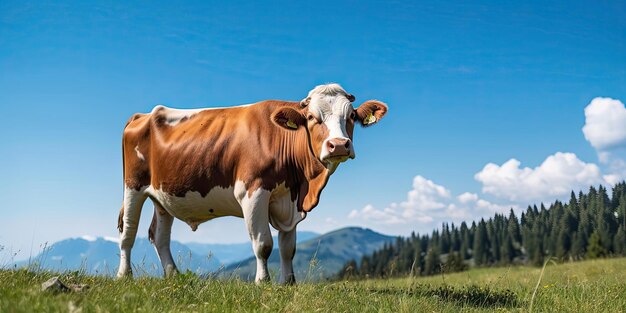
(101, 256)
(229, 253)
(97, 255)
(588, 286)
(327, 252)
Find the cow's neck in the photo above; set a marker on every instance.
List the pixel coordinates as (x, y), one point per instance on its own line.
(312, 175)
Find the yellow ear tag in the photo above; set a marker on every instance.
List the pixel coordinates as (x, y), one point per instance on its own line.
(370, 119)
(292, 125)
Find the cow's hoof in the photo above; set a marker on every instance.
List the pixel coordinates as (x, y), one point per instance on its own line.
(124, 275)
(262, 281)
(290, 280)
(171, 271)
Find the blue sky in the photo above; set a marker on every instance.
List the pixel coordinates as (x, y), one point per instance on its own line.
(467, 84)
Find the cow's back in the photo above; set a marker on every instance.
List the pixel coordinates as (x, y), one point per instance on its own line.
(181, 151)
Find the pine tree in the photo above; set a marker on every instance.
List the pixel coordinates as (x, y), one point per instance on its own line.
(481, 244)
(619, 242)
(507, 250)
(349, 270)
(454, 263)
(595, 249)
(465, 242)
(432, 263)
(418, 264)
(536, 251)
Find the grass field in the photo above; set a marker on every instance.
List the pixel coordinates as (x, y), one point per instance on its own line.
(590, 286)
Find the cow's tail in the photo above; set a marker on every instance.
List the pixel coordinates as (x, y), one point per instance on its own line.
(153, 225)
(120, 219)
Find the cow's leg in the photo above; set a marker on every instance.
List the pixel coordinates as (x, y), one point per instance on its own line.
(256, 216)
(287, 245)
(160, 234)
(133, 201)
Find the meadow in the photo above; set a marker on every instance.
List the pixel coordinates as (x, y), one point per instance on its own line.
(589, 286)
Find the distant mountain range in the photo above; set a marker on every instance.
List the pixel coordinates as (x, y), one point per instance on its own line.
(229, 253)
(100, 256)
(319, 257)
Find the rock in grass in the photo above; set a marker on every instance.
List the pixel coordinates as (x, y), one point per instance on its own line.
(54, 285)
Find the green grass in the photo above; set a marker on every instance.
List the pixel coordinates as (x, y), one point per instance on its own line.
(591, 286)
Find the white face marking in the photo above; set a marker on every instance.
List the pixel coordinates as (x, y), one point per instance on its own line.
(139, 154)
(333, 109)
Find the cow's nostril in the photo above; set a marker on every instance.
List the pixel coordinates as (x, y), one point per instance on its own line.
(331, 146)
(347, 145)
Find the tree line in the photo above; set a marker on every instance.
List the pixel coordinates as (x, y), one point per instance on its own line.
(590, 225)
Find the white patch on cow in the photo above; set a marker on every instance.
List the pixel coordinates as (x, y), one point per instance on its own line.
(175, 116)
(139, 154)
(195, 209)
(283, 211)
(331, 105)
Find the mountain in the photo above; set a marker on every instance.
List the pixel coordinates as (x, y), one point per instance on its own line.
(101, 256)
(229, 253)
(320, 257)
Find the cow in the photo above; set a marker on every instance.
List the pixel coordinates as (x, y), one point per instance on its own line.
(265, 162)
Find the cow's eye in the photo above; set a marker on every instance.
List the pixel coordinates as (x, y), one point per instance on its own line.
(352, 115)
(310, 117)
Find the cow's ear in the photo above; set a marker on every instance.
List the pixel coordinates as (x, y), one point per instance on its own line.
(288, 118)
(370, 112)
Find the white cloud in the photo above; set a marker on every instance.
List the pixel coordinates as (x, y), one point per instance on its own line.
(427, 205)
(605, 123)
(467, 197)
(605, 129)
(555, 177)
(425, 196)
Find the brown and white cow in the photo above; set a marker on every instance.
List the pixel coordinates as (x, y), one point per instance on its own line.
(266, 162)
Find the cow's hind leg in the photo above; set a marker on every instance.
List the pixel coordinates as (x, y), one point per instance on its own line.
(160, 234)
(287, 245)
(128, 223)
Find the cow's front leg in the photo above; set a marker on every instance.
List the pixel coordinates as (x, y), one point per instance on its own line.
(287, 245)
(256, 216)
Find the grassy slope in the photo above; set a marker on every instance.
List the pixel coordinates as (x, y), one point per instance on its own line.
(592, 286)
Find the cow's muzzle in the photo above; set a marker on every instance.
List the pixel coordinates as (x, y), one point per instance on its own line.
(339, 148)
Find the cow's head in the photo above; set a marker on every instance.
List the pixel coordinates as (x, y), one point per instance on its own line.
(329, 118)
